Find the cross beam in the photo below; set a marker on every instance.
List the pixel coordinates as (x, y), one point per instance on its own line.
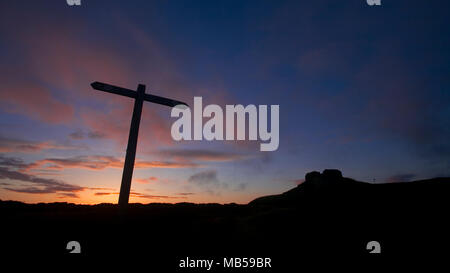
(139, 97)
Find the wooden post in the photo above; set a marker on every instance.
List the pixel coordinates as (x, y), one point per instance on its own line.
(139, 97)
(127, 174)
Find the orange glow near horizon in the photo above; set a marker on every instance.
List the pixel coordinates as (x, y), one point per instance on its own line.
(89, 197)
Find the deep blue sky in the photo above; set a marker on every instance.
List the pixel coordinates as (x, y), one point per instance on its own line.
(361, 88)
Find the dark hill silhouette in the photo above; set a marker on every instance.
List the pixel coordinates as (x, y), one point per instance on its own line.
(331, 184)
(325, 216)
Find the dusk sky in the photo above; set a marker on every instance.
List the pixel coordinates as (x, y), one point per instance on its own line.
(364, 89)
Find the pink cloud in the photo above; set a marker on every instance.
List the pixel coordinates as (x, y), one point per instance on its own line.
(66, 62)
(100, 163)
(141, 195)
(17, 145)
(34, 101)
(145, 180)
(202, 155)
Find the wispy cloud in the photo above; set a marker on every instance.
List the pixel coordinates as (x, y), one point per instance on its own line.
(100, 162)
(141, 195)
(20, 97)
(104, 193)
(204, 178)
(14, 169)
(26, 146)
(208, 182)
(11, 162)
(404, 177)
(145, 180)
(202, 155)
(80, 134)
(35, 184)
(68, 194)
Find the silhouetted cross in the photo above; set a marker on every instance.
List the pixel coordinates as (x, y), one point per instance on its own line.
(139, 96)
